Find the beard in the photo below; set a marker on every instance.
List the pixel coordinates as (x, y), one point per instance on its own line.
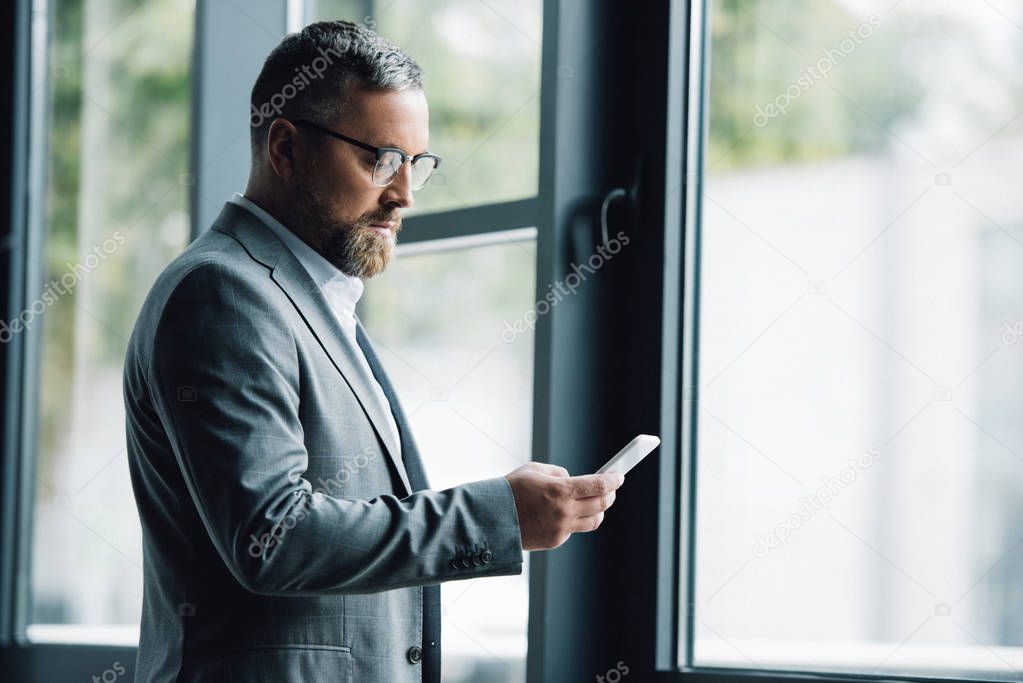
(355, 249)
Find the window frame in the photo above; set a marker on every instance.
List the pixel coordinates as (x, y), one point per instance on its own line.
(580, 620)
(21, 183)
(695, 43)
(15, 185)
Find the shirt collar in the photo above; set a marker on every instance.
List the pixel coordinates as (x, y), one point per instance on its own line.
(344, 290)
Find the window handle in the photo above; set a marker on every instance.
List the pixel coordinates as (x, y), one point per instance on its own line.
(630, 194)
(612, 195)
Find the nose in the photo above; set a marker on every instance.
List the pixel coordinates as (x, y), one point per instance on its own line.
(399, 192)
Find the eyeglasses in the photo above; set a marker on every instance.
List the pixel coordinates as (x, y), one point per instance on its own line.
(389, 159)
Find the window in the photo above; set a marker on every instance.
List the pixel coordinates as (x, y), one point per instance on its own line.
(444, 322)
(119, 103)
(112, 92)
(859, 451)
(838, 497)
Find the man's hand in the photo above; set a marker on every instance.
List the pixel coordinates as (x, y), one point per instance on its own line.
(553, 505)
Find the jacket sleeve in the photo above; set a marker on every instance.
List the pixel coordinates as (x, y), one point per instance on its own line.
(224, 375)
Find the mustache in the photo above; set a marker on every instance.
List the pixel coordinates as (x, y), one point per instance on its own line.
(385, 218)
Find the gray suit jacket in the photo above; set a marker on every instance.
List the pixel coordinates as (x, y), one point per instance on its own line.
(282, 539)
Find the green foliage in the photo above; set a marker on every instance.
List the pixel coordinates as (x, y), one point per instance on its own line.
(759, 48)
(124, 94)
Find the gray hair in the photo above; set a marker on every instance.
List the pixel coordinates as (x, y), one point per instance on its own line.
(310, 74)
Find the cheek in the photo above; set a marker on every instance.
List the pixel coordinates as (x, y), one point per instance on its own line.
(353, 187)
(333, 196)
(351, 205)
(347, 186)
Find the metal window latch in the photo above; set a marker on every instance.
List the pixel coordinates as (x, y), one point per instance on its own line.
(630, 195)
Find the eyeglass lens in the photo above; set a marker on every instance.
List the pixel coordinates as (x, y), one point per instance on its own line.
(390, 162)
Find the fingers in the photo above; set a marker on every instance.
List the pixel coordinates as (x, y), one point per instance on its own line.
(586, 524)
(549, 470)
(565, 504)
(587, 507)
(588, 485)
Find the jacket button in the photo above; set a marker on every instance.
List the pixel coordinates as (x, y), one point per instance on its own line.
(414, 654)
(486, 556)
(466, 563)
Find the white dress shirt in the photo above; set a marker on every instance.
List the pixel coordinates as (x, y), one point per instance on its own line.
(341, 291)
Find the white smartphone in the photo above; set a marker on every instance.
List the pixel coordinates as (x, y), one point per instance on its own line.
(627, 458)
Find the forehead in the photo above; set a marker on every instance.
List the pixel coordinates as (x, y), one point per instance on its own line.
(389, 119)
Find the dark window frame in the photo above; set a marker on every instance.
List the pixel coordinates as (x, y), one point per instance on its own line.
(693, 41)
(21, 182)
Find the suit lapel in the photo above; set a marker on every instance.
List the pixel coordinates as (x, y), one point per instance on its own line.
(264, 246)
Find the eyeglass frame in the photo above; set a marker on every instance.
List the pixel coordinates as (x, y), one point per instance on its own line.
(377, 151)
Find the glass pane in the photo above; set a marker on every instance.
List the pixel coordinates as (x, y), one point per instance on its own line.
(116, 214)
(481, 74)
(439, 320)
(860, 449)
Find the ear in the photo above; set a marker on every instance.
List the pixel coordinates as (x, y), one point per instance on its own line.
(283, 148)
